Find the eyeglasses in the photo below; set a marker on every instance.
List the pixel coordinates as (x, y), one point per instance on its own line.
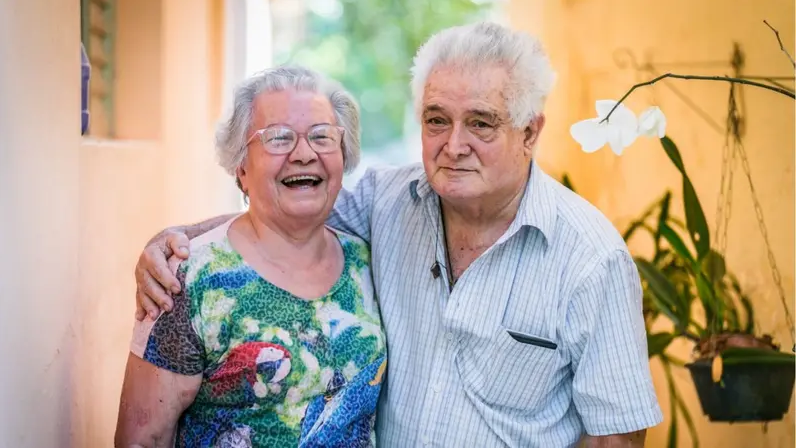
(280, 140)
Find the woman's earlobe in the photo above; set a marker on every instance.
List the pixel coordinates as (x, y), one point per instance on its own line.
(240, 173)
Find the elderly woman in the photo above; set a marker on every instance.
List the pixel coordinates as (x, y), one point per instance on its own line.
(275, 338)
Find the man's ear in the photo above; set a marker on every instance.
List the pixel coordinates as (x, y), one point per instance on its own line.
(533, 130)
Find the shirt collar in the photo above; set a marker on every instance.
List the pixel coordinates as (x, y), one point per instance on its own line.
(419, 188)
(537, 209)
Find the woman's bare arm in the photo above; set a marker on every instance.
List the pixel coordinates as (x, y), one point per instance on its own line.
(151, 404)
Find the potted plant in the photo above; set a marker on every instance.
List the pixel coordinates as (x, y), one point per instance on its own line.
(739, 374)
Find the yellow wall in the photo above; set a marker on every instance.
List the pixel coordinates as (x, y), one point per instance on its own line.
(39, 220)
(582, 37)
(75, 213)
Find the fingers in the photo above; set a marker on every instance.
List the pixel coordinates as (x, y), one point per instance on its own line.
(146, 307)
(156, 268)
(155, 274)
(154, 297)
(151, 274)
(140, 312)
(174, 264)
(178, 243)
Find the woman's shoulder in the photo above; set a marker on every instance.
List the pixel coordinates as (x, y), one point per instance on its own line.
(348, 240)
(211, 250)
(212, 237)
(355, 250)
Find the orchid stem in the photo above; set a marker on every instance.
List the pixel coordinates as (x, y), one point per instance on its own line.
(781, 47)
(703, 78)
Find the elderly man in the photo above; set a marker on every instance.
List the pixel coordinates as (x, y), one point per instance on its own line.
(512, 306)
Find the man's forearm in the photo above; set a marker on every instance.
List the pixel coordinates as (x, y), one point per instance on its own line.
(629, 440)
(194, 230)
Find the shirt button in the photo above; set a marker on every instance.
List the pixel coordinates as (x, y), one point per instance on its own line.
(449, 336)
(425, 441)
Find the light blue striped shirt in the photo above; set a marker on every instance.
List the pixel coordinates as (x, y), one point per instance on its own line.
(455, 377)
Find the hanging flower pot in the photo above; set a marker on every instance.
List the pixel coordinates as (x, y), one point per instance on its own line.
(754, 384)
(738, 376)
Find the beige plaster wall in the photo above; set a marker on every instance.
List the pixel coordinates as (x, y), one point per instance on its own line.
(582, 37)
(75, 213)
(130, 189)
(39, 220)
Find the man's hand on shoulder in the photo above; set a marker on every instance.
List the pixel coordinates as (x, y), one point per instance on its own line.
(156, 271)
(630, 440)
(154, 275)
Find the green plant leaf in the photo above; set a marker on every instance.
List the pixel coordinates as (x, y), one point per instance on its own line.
(673, 408)
(731, 315)
(631, 229)
(664, 294)
(641, 221)
(663, 218)
(694, 216)
(750, 315)
(714, 309)
(745, 302)
(677, 403)
(636, 225)
(714, 267)
(688, 421)
(677, 244)
(657, 343)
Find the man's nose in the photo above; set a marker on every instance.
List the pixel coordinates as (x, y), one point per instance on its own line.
(457, 145)
(303, 153)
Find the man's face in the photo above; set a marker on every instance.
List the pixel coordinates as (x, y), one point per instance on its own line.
(470, 149)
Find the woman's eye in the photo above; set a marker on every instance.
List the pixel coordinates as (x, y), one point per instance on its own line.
(481, 124)
(435, 121)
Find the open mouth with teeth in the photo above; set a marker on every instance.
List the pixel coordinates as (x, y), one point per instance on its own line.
(302, 181)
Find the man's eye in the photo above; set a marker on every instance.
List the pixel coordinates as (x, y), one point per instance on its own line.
(435, 121)
(478, 124)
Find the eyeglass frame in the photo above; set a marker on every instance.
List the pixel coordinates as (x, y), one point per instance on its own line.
(299, 135)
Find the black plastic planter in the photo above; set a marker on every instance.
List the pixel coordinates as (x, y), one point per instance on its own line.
(748, 392)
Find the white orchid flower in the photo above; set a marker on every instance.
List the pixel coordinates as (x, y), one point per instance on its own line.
(652, 123)
(619, 131)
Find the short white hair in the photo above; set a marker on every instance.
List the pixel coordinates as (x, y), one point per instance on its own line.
(231, 134)
(531, 77)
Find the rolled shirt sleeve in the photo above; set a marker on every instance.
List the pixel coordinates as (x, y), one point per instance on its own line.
(612, 386)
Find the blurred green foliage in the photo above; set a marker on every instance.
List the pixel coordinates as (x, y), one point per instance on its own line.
(368, 45)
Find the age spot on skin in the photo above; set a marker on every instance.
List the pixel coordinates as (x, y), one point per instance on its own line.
(141, 417)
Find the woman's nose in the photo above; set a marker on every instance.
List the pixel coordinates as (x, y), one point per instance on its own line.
(303, 153)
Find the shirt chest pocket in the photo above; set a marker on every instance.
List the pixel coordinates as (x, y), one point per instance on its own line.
(504, 372)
